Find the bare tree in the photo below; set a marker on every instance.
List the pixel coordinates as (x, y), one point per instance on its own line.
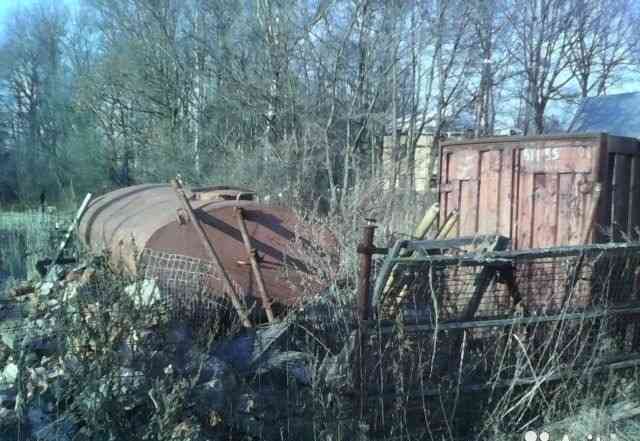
(604, 38)
(543, 41)
(32, 80)
(492, 62)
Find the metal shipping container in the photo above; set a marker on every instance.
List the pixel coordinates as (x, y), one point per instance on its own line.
(539, 190)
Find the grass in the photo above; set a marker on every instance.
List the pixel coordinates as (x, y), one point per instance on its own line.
(169, 402)
(26, 237)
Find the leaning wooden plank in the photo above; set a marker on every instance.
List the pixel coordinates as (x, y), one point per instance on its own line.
(427, 222)
(448, 225)
(70, 230)
(420, 232)
(230, 291)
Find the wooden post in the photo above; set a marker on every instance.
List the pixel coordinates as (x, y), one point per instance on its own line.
(251, 252)
(231, 293)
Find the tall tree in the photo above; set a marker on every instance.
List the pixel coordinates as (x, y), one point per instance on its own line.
(604, 38)
(543, 41)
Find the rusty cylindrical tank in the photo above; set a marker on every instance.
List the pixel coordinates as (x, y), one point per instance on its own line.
(141, 232)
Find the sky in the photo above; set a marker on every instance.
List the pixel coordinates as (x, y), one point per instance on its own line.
(6, 6)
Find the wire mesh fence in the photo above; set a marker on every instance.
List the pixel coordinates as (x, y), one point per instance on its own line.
(467, 322)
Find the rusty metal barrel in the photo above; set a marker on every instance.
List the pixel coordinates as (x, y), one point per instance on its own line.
(142, 232)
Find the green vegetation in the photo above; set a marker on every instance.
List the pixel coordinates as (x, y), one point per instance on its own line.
(27, 236)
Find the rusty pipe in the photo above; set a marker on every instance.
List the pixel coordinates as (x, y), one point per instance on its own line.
(251, 252)
(231, 292)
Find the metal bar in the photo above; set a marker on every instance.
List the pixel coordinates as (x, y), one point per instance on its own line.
(433, 244)
(231, 293)
(365, 273)
(483, 280)
(481, 283)
(506, 257)
(70, 230)
(251, 252)
(386, 329)
(464, 260)
(364, 281)
(385, 271)
(439, 244)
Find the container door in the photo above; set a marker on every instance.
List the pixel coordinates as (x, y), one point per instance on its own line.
(479, 184)
(554, 194)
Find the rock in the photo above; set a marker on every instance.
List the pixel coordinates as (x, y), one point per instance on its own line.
(245, 351)
(293, 362)
(9, 374)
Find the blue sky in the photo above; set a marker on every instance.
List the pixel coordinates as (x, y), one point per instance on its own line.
(6, 6)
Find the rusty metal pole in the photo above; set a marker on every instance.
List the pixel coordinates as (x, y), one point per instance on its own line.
(365, 250)
(231, 292)
(251, 252)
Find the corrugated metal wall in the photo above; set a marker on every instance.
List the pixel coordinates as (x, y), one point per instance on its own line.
(539, 190)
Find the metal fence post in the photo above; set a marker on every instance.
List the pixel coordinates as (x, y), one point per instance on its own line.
(365, 251)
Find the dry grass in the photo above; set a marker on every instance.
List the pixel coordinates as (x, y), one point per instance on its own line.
(165, 405)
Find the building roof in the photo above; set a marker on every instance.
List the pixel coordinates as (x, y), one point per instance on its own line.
(459, 122)
(614, 114)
